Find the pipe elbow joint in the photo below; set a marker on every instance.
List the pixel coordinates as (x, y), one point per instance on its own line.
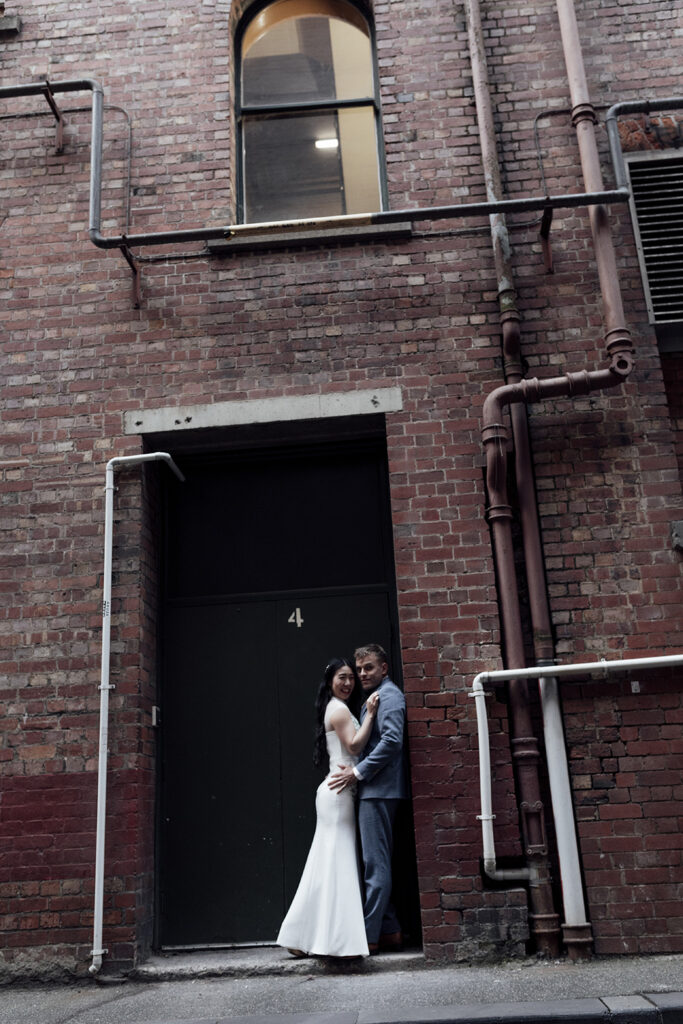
(92, 84)
(490, 867)
(492, 412)
(98, 239)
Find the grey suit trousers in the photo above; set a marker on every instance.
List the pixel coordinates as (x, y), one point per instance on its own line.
(376, 825)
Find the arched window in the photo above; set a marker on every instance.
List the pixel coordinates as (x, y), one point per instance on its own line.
(308, 112)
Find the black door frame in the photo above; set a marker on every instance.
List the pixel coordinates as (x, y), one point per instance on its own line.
(298, 437)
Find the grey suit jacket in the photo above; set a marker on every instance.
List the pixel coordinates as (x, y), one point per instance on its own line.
(382, 768)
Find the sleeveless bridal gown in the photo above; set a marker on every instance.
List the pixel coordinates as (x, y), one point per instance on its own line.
(326, 914)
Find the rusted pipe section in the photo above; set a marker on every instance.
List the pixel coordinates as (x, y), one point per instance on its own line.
(577, 933)
(543, 919)
(576, 929)
(495, 434)
(544, 922)
(522, 392)
(617, 335)
(571, 385)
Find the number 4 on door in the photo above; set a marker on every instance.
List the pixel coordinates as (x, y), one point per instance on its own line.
(295, 617)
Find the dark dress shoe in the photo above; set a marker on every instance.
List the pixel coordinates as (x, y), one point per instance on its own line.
(374, 948)
(393, 942)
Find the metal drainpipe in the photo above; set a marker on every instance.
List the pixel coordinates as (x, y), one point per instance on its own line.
(494, 436)
(600, 669)
(619, 348)
(543, 919)
(223, 232)
(576, 930)
(105, 686)
(617, 335)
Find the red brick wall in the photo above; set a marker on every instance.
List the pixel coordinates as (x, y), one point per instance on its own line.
(421, 314)
(626, 756)
(672, 368)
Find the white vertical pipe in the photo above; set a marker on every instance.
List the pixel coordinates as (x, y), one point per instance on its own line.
(558, 772)
(486, 817)
(98, 951)
(561, 800)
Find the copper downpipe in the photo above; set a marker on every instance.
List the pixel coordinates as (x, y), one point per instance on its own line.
(544, 922)
(617, 335)
(517, 394)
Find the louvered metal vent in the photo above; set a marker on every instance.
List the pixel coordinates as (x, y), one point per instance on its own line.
(657, 210)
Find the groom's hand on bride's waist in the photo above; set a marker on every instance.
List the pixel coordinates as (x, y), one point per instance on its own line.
(342, 778)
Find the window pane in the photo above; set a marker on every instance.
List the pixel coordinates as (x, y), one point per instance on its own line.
(306, 58)
(289, 175)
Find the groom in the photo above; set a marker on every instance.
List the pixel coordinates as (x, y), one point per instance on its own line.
(382, 783)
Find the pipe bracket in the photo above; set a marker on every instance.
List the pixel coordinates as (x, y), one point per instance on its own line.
(52, 103)
(544, 232)
(533, 819)
(135, 268)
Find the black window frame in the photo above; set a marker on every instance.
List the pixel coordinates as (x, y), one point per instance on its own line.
(247, 110)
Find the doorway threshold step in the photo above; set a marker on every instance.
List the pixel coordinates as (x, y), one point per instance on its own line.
(264, 960)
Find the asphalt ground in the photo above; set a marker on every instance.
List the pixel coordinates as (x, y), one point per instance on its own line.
(267, 987)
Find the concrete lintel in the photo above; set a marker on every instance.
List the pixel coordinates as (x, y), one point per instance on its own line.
(264, 410)
(10, 25)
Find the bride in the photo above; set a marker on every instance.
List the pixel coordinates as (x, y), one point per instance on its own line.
(326, 914)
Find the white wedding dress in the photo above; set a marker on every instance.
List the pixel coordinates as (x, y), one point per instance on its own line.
(326, 914)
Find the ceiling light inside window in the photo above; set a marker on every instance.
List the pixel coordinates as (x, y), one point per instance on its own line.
(327, 143)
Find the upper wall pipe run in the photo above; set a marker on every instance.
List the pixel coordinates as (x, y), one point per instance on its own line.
(544, 921)
(457, 211)
(617, 335)
(516, 394)
(489, 156)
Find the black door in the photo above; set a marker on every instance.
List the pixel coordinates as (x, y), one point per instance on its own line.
(276, 561)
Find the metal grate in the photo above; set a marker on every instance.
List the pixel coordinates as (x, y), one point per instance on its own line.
(657, 210)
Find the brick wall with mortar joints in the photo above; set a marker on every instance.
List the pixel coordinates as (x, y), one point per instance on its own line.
(672, 365)
(457, 332)
(626, 755)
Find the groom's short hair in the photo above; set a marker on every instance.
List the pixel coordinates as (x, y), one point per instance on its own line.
(379, 652)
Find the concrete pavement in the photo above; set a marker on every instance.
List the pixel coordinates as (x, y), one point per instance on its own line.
(265, 986)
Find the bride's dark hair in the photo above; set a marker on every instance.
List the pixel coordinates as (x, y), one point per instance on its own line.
(322, 700)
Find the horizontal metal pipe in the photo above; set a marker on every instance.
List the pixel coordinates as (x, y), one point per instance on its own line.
(575, 913)
(450, 212)
(40, 88)
(458, 211)
(581, 668)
